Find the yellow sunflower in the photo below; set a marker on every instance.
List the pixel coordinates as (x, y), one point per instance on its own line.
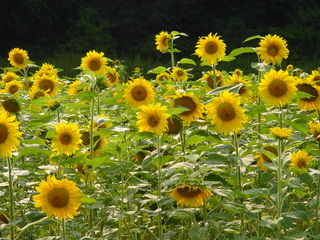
(308, 86)
(163, 77)
(300, 159)
(36, 92)
(264, 158)
(289, 68)
(210, 49)
(13, 86)
(60, 198)
(74, 88)
(99, 143)
(18, 58)
(163, 40)
(153, 118)
(9, 134)
(210, 76)
(277, 88)
(315, 77)
(315, 130)
(67, 138)
(111, 76)
(47, 70)
(190, 195)
(281, 133)
(10, 105)
(244, 92)
(139, 92)
(179, 74)
(174, 125)
(273, 49)
(238, 71)
(47, 83)
(94, 61)
(8, 77)
(101, 121)
(225, 113)
(191, 102)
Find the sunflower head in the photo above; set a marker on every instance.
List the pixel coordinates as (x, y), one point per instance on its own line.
(315, 130)
(153, 118)
(13, 86)
(36, 92)
(281, 133)
(300, 159)
(315, 77)
(289, 68)
(163, 77)
(9, 134)
(263, 158)
(10, 105)
(244, 91)
(18, 58)
(86, 173)
(179, 74)
(225, 113)
(190, 195)
(191, 102)
(213, 79)
(277, 88)
(174, 125)
(238, 71)
(60, 198)
(210, 49)
(49, 84)
(67, 138)
(163, 41)
(74, 88)
(94, 62)
(273, 49)
(309, 87)
(139, 92)
(111, 76)
(8, 77)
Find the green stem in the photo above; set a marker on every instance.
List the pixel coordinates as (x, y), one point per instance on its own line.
(159, 187)
(317, 206)
(172, 54)
(183, 139)
(11, 200)
(279, 195)
(58, 115)
(63, 228)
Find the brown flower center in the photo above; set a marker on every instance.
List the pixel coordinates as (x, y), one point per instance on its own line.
(66, 139)
(174, 126)
(188, 192)
(11, 105)
(46, 84)
(94, 65)
(13, 89)
(226, 111)
(8, 79)
(186, 102)
(273, 50)
(153, 121)
(211, 47)
(18, 58)
(242, 90)
(4, 133)
(38, 94)
(58, 197)
(139, 93)
(301, 163)
(307, 88)
(278, 88)
(112, 77)
(85, 137)
(180, 73)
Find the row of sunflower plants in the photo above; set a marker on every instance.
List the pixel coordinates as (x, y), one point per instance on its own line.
(112, 154)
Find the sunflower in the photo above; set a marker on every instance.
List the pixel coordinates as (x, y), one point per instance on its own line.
(37, 92)
(94, 61)
(139, 92)
(225, 112)
(190, 195)
(244, 92)
(315, 130)
(163, 40)
(174, 125)
(192, 103)
(9, 134)
(277, 88)
(153, 118)
(308, 86)
(315, 77)
(67, 138)
(86, 173)
(111, 76)
(10, 105)
(48, 84)
(264, 158)
(281, 133)
(101, 121)
(179, 74)
(13, 86)
(300, 159)
(8, 77)
(60, 198)
(210, 49)
(18, 58)
(238, 71)
(74, 88)
(163, 77)
(289, 68)
(212, 76)
(273, 49)
(99, 143)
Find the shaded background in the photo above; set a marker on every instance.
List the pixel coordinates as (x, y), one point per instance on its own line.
(62, 31)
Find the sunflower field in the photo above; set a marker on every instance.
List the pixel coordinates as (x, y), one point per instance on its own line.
(161, 154)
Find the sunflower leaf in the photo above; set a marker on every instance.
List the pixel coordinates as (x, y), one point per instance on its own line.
(177, 110)
(157, 70)
(253, 37)
(187, 61)
(241, 50)
(228, 58)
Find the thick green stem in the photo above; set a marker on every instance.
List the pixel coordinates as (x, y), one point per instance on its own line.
(63, 223)
(279, 187)
(317, 206)
(11, 201)
(159, 187)
(172, 54)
